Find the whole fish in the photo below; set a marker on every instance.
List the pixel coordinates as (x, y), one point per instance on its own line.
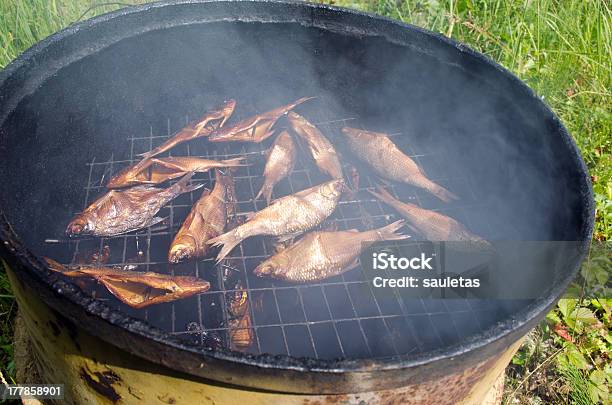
(253, 129)
(281, 160)
(202, 127)
(320, 147)
(206, 220)
(126, 210)
(319, 255)
(159, 170)
(290, 215)
(136, 289)
(389, 162)
(432, 225)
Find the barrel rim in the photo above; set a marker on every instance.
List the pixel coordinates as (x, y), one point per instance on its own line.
(486, 344)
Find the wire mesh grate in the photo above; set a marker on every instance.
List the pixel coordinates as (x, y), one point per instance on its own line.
(340, 317)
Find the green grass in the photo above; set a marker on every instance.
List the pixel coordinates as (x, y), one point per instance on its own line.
(8, 309)
(25, 22)
(563, 50)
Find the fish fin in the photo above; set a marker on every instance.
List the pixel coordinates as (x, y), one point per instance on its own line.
(228, 241)
(388, 232)
(183, 186)
(235, 162)
(442, 193)
(266, 191)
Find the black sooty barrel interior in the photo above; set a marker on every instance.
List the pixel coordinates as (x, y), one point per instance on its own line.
(472, 127)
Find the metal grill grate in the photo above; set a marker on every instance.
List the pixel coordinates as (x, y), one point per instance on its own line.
(336, 318)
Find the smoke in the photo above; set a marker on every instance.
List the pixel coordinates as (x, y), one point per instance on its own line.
(470, 128)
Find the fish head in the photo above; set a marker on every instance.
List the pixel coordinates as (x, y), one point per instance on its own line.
(275, 266)
(80, 225)
(333, 189)
(183, 248)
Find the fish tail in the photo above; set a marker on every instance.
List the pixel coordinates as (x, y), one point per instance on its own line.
(55, 266)
(234, 162)
(60, 268)
(300, 101)
(228, 241)
(388, 232)
(183, 186)
(442, 193)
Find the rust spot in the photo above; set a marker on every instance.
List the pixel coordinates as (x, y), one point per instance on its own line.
(102, 383)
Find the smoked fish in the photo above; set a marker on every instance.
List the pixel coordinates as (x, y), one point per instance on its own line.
(126, 210)
(320, 254)
(289, 215)
(389, 162)
(206, 220)
(432, 225)
(320, 147)
(254, 129)
(280, 163)
(202, 127)
(159, 170)
(136, 289)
